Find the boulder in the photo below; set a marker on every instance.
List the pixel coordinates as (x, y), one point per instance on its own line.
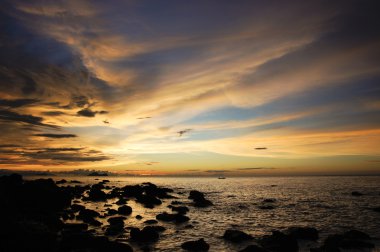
(236, 235)
(253, 248)
(303, 233)
(279, 242)
(125, 210)
(198, 245)
(176, 218)
(147, 234)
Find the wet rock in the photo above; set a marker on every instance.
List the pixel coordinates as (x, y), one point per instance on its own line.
(150, 222)
(356, 193)
(180, 209)
(356, 235)
(116, 221)
(138, 217)
(236, 235)
(376, 209)
(62, 181)
(96, 193)
(147, 234)
(176, 202)
(148, 201)
(176, 218)
(279, 242)
(253, 248)
(267, 207)
(352, 239)
(199, 199)
(125, 210)
(88, 216)
(75, 227)
(303, 233)
(75, 182)
(269, 200)
(112, 212)
(121, 202)
(199, 245)
(77, 207)
(87, 242)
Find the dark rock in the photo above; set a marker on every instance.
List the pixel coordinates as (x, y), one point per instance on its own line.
(62, 181)
(77, 207)
(236, 235)
(96, 194)
(279, 242)
(138, 217)
(269, 200)
(199, 199)
(177, 218)
(175, 202)
(150, 222)
(113, 221)
(147, 234)
(356, 193)
(121, 202)
(199, 245)
(267, 207)
(112, 212)
(88, 216)
(125, 210)
(253, 248)
(148, 201)
(304, 233)
(75, 182)
(180, 209)
(75, 227)
(376, 209)
(356, 235)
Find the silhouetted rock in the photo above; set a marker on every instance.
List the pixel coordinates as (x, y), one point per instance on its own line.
(96, 193)
(75, 227)
(304, 233)
(356, 193)
(125, 210)
(180, 209)
(87, 242)
(121, 202)
(236, 235)
(112, 212)
(352, 239)
(77, 207)
(199, 245)
(267, 207)
(147, 234)
(177, 218)
(253, 248)
(88, 216)
(269, 200)
(150, 222)
(149, 201)
(138, 217)
(279, 242)
(75, 182)
(98, 174)
(376, 209)
(199, 199)
(62, 181)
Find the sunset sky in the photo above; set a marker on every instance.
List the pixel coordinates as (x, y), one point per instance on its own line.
(190, 87)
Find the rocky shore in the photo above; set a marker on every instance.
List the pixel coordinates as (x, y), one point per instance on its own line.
(47, 215)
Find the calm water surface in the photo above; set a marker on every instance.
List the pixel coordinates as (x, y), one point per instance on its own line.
(325, 203)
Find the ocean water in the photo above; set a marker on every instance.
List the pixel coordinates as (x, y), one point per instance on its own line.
(322, 202)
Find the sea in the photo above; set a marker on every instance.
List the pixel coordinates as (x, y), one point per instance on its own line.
(323, 202)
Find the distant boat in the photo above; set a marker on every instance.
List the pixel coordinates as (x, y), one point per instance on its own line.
(98, 174)
(221, 177)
